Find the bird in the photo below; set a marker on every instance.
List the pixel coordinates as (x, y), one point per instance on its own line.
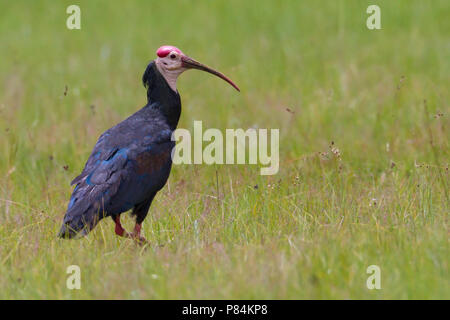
(131, 161)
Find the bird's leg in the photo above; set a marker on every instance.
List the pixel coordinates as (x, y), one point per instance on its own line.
(136, 235)
(140, 211)
(120, 231)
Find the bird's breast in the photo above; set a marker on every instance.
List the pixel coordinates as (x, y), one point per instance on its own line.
(151, 162)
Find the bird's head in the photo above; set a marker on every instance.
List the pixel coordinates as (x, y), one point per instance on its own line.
(171, 62)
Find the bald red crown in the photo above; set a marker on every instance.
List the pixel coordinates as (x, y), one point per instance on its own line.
(165, 50)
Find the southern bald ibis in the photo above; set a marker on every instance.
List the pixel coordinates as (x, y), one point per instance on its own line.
(131, 161)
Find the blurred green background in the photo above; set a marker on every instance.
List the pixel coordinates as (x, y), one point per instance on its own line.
(363, 119)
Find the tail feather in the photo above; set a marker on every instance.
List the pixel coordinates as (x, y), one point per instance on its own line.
(67, 232)
(79, 224)
(84, 211)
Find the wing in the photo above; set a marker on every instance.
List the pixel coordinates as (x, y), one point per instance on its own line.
(103, 150)
(137, 130)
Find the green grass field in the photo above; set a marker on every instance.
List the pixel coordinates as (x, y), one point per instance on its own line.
(364, 149)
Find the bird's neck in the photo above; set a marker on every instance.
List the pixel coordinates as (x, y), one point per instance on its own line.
(162, 96)
(171, 76)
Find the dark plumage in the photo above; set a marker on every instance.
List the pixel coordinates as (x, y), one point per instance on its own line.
(131, 161)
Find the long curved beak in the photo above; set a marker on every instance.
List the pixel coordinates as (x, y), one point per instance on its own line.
(190, 63)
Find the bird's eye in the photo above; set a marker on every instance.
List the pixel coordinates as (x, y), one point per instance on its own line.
(172, 56)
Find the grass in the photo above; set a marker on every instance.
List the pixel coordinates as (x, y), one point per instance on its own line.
(364, 153)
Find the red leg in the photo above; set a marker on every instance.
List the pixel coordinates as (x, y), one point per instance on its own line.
(120, 231)
(137, 234)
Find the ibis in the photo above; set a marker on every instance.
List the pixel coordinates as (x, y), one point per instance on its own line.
(131, 161)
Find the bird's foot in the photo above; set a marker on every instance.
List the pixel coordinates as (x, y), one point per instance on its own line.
(139, 240)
